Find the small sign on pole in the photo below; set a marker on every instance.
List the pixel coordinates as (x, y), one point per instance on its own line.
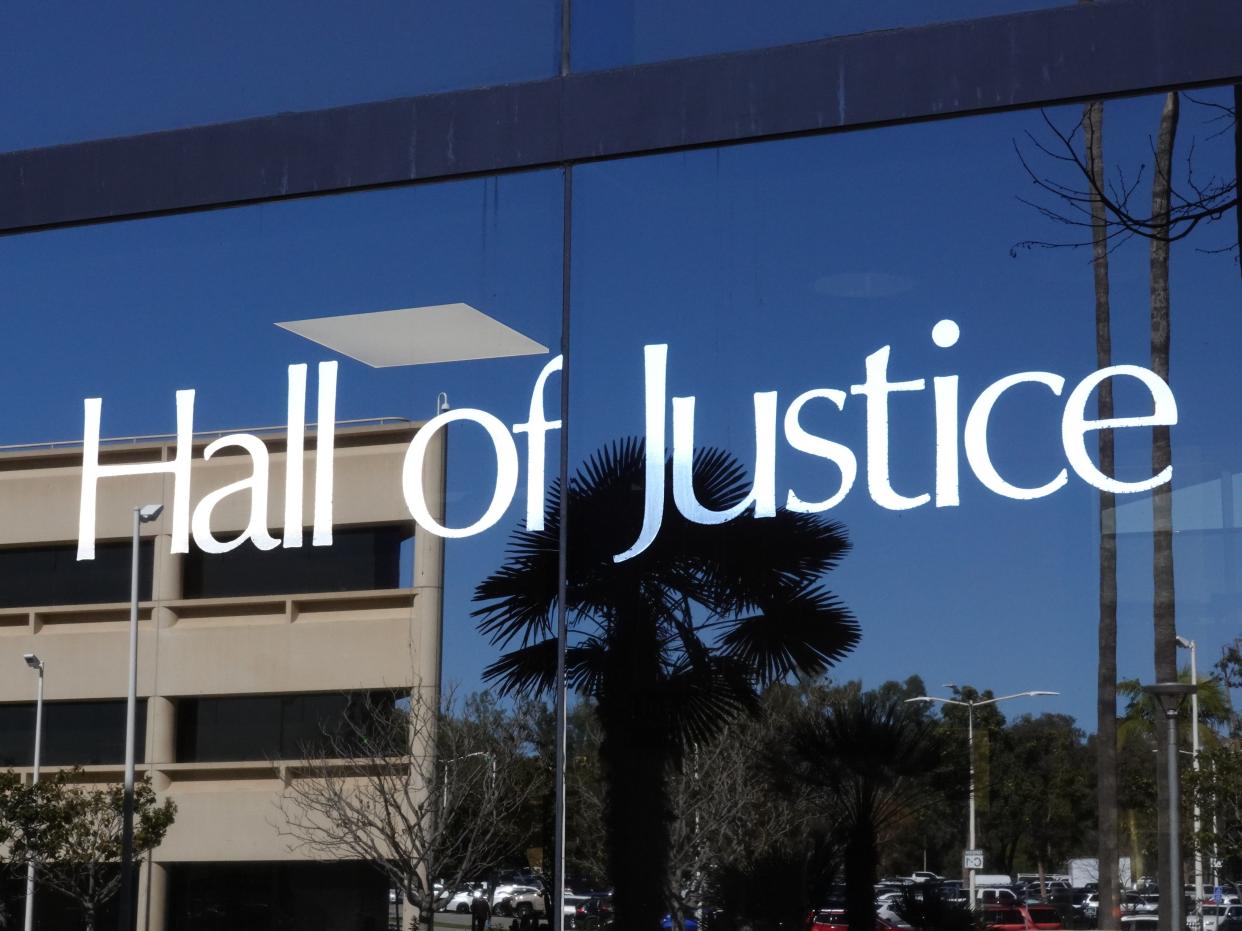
(972, 860)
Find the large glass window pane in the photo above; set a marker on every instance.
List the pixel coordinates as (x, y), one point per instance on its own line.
(76, 733)
(52, 575)
(628, 32)
(276, 727)
(72, 73)
(895, 331)
(269, 896)
(360, 559)
(784, 267)
(247, 652)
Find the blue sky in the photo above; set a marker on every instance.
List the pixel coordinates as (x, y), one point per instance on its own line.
(72, 71)
(776, 266)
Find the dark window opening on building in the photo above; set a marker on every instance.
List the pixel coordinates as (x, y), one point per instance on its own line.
(33, 576)
(75, 733)
(359, 559)
(279, 727)
(271, 896)
(55, 911)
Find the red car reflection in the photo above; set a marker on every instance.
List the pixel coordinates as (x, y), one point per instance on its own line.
(1042, 917)
(999, 918)
(1021, 918)
(835, 919)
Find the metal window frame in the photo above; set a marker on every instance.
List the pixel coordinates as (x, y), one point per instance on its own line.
(1076, 52)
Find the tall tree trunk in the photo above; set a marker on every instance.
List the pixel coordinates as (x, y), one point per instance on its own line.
(860, 860)
(1106, 676)
(1237, 162)
(1163, 606)
(635, 756)
(1137, 866)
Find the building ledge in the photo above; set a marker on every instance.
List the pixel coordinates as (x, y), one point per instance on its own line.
(214, 771)
(30, 620)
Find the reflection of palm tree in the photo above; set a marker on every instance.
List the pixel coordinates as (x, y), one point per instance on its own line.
(1164, 604)
(874, 756)
(671, 643)
(1106, 674)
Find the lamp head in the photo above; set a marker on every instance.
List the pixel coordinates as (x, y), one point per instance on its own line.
(1184, 643)
(1037, 693)
(149, 512)
(33, 661)
(1169, 695)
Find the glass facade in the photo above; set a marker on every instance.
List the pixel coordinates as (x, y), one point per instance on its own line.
(234, 61)
(360, 559)
(629, 32)
(76, 733)
(273, 727)
(266, 897)
(35, 576)
(846, 416)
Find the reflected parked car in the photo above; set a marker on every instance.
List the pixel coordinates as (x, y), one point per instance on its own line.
(836, 919)
(689, 923)
(1042, 917)
(1220, 918)
(999, 918)
(459, 901)
(518, 900)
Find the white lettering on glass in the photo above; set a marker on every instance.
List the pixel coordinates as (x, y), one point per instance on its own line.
(325, 448)
(537, 426)
(179, 468)
(762, 492)
(976, 437)
(506, 472)
(256, 484)
(655, 365)
(1075, 426)
(839, 455)
(875, 389)
(294, 449)
(944, 388)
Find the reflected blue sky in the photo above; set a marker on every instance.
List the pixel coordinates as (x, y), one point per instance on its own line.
(776, 266)
(782, 267)
(72, 71)
(626, 32)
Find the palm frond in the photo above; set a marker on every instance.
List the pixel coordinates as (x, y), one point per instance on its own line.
(805, 632)
(525, 671)
(695, 702)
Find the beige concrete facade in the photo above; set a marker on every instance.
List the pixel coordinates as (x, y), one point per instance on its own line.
(300, 642)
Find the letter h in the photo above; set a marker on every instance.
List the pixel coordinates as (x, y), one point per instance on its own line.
(92, 472)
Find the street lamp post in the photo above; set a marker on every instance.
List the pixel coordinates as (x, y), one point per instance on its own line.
(445, 764)
(970, 706)
(1170, 695)
(37, 665)
(1194, 758)
(143, 514)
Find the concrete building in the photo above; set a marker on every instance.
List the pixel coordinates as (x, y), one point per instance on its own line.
(241, 656)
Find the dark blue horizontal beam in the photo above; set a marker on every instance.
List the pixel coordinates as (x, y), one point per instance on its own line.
(1051, 56)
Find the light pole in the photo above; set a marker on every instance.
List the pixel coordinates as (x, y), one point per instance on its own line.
(970, 706)
(1194, 757)
(143, 514)
(37, 665)
(1170, 695)
(466, 756)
